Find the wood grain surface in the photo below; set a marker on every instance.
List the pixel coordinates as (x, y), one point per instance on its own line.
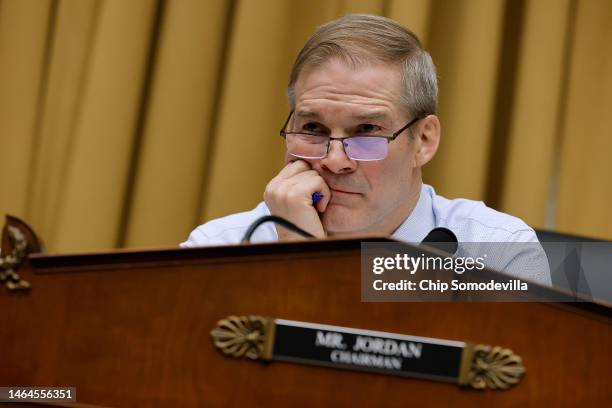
(132, 329)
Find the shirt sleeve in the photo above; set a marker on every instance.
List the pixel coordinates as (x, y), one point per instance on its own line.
(195, 239)
(529, 261)
(517, 254)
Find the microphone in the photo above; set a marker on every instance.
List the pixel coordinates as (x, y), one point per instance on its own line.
(443, 239)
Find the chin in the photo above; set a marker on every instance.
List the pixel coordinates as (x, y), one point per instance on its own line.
(339, 220)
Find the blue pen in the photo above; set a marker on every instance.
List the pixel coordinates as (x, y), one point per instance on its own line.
(316, 197)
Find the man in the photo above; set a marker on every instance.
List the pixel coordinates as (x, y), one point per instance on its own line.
(363, 96)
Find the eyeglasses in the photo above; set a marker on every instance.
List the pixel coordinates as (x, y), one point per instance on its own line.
(311, 145)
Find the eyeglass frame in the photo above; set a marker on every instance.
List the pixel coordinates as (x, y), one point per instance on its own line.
(283, 133)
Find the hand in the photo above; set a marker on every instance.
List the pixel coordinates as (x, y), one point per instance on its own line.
(289, 195)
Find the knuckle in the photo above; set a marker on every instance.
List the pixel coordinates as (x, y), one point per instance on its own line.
(270, 189)
(291, 195)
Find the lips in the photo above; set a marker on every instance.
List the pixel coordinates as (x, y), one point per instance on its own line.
(342, 191)
(343, 197)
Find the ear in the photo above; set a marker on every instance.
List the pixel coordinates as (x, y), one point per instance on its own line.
(428, 139)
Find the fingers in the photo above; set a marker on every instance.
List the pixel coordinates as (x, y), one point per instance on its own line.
(310, 182)
(293, 168)
(289, 195)
(297, 190)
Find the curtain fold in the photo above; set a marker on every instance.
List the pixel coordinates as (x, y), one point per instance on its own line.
(535, 124)
(585, 190)
(179, 121)
(127, 123)
(414, 14)
(246, 152)
(70, 46)
(96, 177)
(464, 41)
(24, 26)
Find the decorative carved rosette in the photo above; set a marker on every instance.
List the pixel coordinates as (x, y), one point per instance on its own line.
(245, 336)
(488, 367)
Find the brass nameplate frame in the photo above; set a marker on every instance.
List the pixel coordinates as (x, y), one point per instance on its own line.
(262, 338)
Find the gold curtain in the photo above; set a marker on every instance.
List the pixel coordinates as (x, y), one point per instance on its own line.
(127, 123)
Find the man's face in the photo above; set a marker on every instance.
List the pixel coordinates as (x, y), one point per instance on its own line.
(374, 196)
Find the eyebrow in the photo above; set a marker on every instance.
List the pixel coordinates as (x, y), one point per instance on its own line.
(359, 117)
(371, 115)
(307, 114)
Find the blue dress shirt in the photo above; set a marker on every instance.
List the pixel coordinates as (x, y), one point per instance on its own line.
(471, 221)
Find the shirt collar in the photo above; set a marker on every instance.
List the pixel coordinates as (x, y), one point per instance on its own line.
(420, 221)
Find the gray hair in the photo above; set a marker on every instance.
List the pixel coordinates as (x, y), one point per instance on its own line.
(361, 38)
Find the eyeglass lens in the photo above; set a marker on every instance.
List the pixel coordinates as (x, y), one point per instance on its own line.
(357, 148)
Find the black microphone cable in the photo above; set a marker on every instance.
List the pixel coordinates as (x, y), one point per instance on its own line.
(277, 220)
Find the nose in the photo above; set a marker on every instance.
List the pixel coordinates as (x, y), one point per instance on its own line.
(337, 161)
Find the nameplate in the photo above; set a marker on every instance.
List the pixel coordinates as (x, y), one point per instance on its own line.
(266, 339)
(367, 350)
